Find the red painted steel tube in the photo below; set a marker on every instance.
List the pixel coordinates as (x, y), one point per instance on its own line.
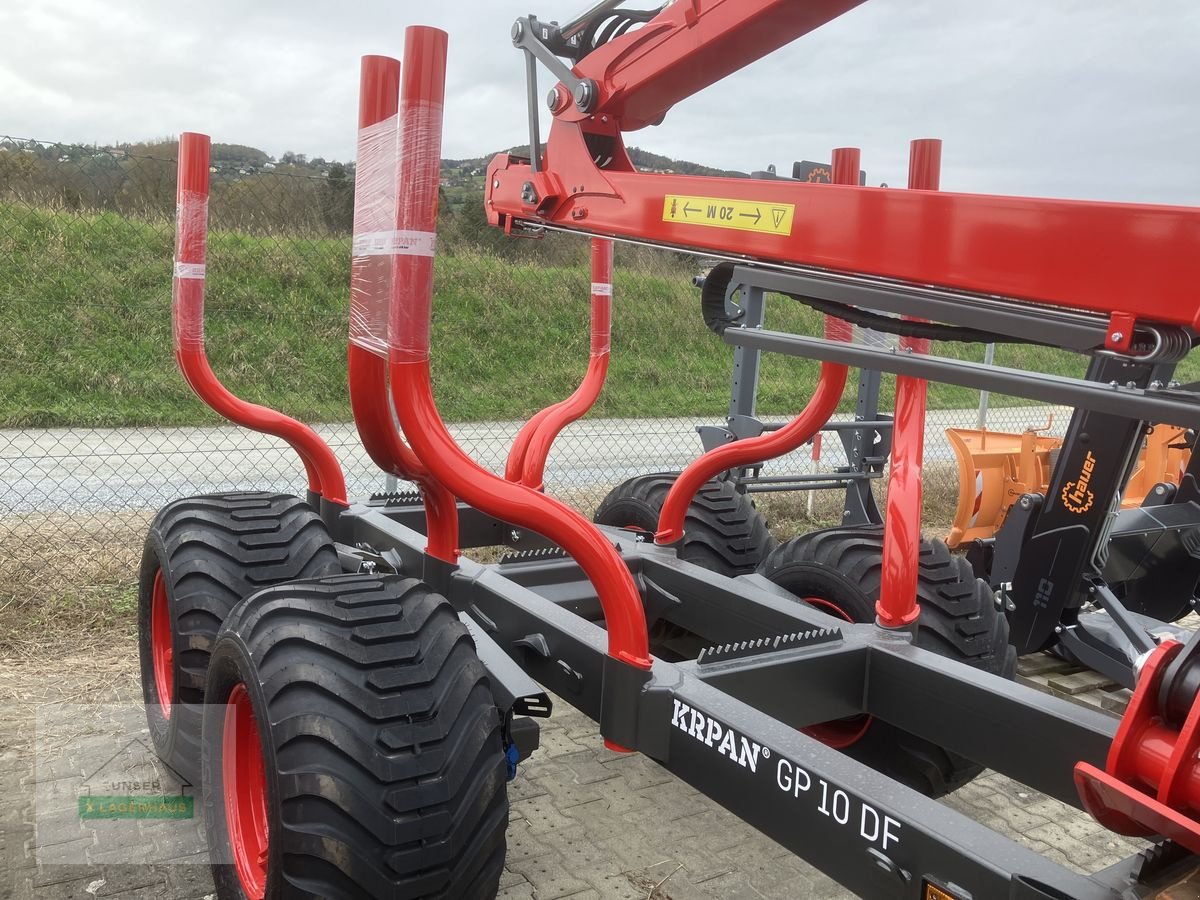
(897, 605)
(422, 93)
(187, 309)
(1155, 748)
(830, 385)
(925, 165)
(370, 400)
(514, 465)
(371, 403)
(846, 165)
(527, 459)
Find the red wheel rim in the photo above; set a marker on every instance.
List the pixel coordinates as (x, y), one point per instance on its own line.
(162, 647)
(839, 733)
(245, 782)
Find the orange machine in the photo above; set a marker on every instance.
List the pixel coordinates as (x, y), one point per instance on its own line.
(996, 467)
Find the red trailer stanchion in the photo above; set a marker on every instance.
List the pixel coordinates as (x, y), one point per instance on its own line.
(830, 385)
(527, 458)
(325, 479)
(370, 290)
(422, 93)
(897, 605)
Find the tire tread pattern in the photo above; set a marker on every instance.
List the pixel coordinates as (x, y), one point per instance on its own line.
(215, 550)
(722, 532)
(223, 547)
(388, 745)
(959, 620)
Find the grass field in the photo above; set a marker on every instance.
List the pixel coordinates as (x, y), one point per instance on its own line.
(86, 335)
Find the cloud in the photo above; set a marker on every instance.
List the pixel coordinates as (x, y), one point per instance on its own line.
(1070, 99)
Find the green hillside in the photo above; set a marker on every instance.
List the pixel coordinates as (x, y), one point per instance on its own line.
(86, 338)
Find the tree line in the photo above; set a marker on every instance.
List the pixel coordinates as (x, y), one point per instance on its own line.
(250, 192)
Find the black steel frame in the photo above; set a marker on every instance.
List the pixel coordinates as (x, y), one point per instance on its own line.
(728, 723)
(1048, 559)
(866, 441)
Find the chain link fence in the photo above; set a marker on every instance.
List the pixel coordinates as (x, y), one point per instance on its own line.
(98, 430)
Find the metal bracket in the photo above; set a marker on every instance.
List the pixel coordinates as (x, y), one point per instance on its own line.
(1162, 494)
(514, 691)
(1159, 859)
(714, 436)
(533, 37)
(1102, 596)
(742, 426)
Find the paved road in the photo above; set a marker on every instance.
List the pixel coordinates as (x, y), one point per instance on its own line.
(585, 823)
(119, 469)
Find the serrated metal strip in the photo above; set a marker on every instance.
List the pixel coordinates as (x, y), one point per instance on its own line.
(741, 649)
(517, 556)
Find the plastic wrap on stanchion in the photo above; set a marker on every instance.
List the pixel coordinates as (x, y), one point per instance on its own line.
(602, 294)
(839, 330)
(601, 319)
(880, 340)
(374, 230)
(414, 240)
(191, 230)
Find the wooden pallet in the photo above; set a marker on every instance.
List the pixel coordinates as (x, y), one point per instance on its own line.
(1069, 681)
(1083, 686)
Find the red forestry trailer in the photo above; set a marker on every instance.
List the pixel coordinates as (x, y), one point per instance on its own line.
(354, 694)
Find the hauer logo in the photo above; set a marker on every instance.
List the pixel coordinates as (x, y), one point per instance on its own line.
(1075, 494)
(743, 751)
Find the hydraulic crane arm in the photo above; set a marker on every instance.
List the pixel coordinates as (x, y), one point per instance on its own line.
(1134, 263)
(689, 45)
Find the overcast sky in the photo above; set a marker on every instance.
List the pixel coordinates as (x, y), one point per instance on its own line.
(1069, 98)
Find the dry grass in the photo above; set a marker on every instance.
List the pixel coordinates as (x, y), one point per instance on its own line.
(107, 673)
(68, 584)
(68, 607)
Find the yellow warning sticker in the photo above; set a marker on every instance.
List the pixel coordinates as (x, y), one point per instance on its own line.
(743, 215)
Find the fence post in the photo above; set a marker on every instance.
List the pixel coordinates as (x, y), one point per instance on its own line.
(989, 355)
